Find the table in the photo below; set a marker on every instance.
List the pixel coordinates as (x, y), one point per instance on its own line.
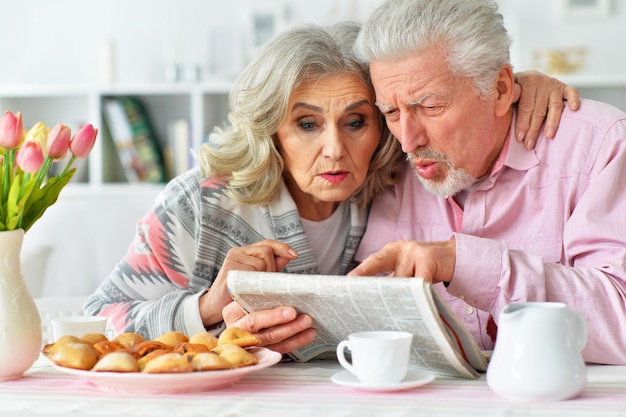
(293, 389)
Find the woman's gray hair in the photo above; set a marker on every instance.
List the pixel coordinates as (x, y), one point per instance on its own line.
(244, 153)
(471, 32)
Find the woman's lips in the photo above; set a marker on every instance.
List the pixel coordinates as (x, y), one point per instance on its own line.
(334, 177)
(426, 169)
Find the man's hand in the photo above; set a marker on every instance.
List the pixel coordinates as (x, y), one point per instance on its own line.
(280, 329)
(541, 95)
(433, 261)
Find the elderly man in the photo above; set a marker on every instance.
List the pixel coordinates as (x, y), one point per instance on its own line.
(489, 221)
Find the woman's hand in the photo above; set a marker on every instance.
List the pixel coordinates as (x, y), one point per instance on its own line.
(541, 95)
(266, 255)
(281, 329)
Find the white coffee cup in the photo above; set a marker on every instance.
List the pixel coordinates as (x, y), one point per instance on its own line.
(378, 357)
(77, 325)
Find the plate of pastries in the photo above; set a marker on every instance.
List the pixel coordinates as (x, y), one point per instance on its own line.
(171, 363)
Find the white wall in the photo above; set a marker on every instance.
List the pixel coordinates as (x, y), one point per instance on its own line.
(59, 41)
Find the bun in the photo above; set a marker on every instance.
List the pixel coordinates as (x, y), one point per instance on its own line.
(51, 348)
(92, 338)
(208, 361)
(172, 338)
(117, 362)
(168, 363)
(204, 338)
(237, 336)
(147, 346)
(129, 340)
(105, 347)
(191, 347)
(76, 356)
(236, 355)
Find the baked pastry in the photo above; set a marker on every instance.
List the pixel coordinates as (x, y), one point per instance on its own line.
(92, 338)
(52, 348)
(76, 356)
(105, 347)
(168, 363)
(129, 339)
(190, 347)
(204, 338)
(121, 361)
(172, 338)
(147, 346)
(237, 336)
(236, 355)
(149, 356)
(208, 361)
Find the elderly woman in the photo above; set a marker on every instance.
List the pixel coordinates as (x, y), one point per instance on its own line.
(285, 186)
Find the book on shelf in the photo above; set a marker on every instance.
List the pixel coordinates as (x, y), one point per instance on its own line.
(135, 141)
(340, 305)
(177, 152)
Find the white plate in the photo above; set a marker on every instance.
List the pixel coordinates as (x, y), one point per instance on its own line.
(138, 382)
(413, 379)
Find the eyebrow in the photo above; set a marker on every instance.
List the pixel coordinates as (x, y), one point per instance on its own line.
(349, 107)
(388, 107)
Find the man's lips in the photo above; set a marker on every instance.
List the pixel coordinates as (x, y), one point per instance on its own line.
(334, 177)
(426, 169)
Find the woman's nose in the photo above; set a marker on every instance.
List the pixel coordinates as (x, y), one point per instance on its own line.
(333, 144)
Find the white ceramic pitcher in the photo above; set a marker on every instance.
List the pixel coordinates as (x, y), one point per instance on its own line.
(538, 353)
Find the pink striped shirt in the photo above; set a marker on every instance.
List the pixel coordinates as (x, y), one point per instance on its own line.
(546, 225)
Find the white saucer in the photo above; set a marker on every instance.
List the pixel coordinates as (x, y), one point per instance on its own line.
(413, 379)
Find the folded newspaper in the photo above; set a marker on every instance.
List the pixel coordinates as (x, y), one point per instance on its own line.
(340, 305)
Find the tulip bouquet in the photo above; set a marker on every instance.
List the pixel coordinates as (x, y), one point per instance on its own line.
(26, 157)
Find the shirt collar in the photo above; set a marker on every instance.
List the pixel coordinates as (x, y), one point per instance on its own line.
(514, 154)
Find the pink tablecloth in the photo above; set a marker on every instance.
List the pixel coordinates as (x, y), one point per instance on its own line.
(290, 389)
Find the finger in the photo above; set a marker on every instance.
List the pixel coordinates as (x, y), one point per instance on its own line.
(279, 333)
(257, 321)
(555, 109)
(573, 98)
(292, 343)
(375, 264)
(231, 313)
(524, 112)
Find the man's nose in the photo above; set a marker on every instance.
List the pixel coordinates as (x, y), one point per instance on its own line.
(411, 134)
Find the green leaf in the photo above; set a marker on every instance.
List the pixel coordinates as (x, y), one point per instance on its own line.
(42, 198)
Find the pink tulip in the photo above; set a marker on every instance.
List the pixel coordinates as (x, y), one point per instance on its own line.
(83, 141)
(29, 157)
(58, 141)
(11, 130)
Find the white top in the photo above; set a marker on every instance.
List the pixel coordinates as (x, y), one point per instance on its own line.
(328, 239)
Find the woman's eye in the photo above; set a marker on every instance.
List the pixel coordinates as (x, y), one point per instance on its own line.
(356, 123)
(306, 125)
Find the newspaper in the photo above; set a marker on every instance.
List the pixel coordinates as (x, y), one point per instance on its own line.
(340, 305)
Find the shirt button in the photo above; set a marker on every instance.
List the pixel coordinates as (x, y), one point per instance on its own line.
(462, 297)
(469, 310)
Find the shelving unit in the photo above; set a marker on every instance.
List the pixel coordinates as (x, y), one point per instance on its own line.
(204, 105)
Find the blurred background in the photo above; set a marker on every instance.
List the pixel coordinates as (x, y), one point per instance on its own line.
(127, 41)
(77, 61)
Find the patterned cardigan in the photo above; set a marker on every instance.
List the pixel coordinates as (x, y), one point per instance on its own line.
(180, 245)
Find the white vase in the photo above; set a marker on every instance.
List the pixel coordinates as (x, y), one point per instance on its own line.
(20, 323)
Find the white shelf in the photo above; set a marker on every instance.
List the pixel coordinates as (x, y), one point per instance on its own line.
(204, 105)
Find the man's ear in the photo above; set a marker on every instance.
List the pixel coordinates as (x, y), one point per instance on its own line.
(505, 86)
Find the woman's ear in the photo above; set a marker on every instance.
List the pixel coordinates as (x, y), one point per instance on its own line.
(507, 94)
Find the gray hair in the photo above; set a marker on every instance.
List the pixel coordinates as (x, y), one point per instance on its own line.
(244, 151)
(471, 32)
